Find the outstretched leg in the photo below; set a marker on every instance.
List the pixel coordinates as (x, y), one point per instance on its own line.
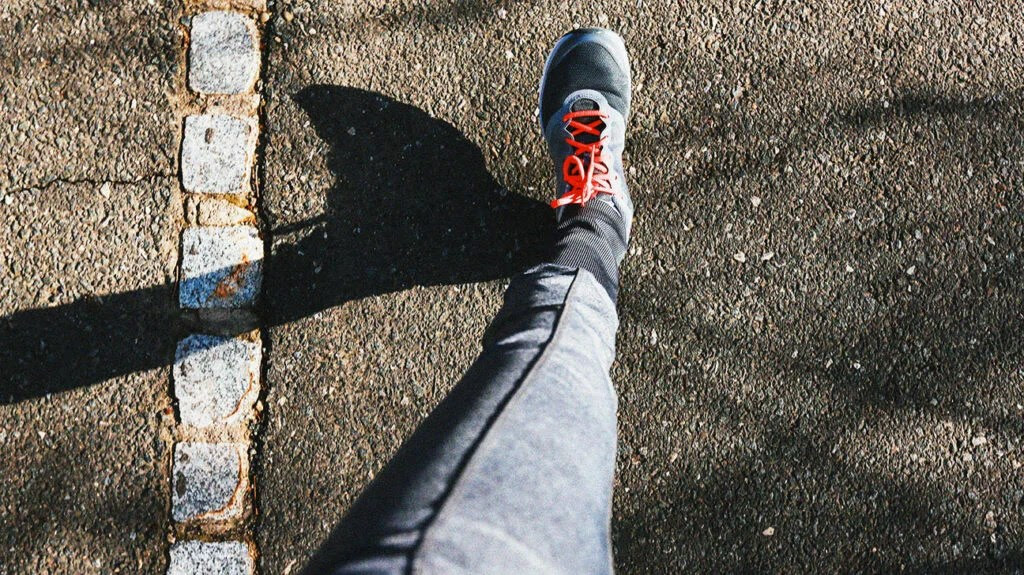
(512, 472)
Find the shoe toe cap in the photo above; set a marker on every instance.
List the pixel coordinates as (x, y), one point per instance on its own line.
(592, 59)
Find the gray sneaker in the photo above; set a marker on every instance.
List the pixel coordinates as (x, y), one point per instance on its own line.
(584, 103)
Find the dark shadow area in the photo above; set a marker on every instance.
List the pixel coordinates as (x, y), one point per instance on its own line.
(53, 499)
(919, 104)
(412, 205)
(824, 522)
(798, 470)
(775, 150)
(93, 339)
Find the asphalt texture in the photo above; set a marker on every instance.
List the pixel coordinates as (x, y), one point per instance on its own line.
(818, 362)
(819, 353)
(88, 231)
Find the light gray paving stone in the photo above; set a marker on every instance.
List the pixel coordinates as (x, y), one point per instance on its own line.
(221, 267)
(210, 558)
(216, 379)
(224, 55)
(209, 481)
(217, 153)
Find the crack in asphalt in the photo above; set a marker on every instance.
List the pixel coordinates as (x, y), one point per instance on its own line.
(91, 181)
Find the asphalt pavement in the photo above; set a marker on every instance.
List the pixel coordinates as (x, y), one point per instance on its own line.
(819, 358)
(88, 248)
(818, 362)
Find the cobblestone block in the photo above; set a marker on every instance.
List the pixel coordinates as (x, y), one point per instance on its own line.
(216, 154)
(224, 53)
(209, 481)
(220, 267)
(216, 379)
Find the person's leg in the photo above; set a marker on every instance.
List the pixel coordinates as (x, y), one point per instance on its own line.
(512, 472)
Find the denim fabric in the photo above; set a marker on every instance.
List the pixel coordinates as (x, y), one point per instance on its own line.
(512, 472)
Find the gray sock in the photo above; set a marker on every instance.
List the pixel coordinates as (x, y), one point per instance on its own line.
(592, 237)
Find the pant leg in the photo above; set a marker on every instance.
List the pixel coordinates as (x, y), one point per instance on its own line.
(512, 472)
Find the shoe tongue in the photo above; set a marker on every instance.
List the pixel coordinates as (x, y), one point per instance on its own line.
(584, 104)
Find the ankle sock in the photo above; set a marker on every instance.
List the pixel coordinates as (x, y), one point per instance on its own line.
(592, 237)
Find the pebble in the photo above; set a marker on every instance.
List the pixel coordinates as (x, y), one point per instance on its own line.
(990, 521)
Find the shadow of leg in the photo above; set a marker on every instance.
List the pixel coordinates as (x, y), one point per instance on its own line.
(412, 204)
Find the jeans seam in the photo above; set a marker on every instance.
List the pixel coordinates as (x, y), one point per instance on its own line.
(515, 395)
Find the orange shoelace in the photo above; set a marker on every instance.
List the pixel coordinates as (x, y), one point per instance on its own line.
(586, 179)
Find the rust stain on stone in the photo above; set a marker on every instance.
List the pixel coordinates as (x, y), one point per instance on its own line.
(230, 285)
(233, 505)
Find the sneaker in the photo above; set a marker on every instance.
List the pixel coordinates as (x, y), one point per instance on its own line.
(584, 103)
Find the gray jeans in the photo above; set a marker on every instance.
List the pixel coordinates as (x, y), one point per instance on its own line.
(512, 472)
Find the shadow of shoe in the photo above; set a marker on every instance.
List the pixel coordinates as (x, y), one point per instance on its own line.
(413, 204)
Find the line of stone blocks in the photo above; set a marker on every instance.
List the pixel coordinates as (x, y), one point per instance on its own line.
(217, 377)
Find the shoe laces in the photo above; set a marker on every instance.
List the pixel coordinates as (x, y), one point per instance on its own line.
(585, 169)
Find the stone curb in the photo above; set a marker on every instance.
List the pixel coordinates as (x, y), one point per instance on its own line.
(210, 481)
(223, 53)
(217, 369)
(217, 153)
(220, 267)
